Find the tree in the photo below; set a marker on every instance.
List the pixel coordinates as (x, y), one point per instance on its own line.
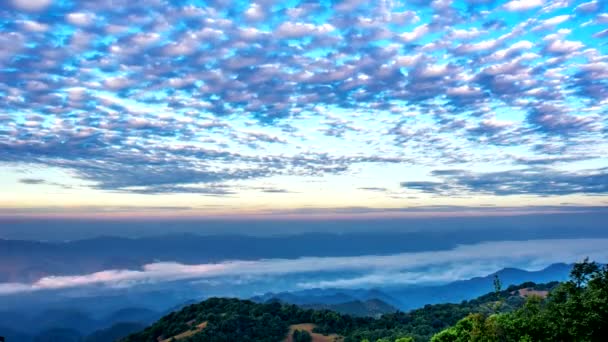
(497, 284)
(583, 271)
(576, 310)
(405, 339)
(301, 336)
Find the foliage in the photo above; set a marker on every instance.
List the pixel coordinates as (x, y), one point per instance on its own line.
(576, 310)
(301, 336)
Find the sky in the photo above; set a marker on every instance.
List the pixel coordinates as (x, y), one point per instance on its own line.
(233, 109)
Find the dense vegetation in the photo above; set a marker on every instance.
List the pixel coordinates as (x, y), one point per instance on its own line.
(371, 307)
(301, 336)
(576, 310)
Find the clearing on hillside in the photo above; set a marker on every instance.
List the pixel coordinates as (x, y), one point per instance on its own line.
(315, 336)
(531, 292)
(185, 334)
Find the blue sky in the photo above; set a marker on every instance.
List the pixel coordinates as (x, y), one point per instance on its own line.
(227, 107)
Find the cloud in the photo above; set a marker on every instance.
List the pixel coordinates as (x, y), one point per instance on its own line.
(531, 181)
(522, 5)
(255, 12)
(415, 34)
(34, 26)
(549, 160)
(80, 19)
(601, 34)
(563, 46)
(31, 5)
(378, 189)
(187, 96)
(291, 30)
(33, 181)
(588, 7)
(274, 190)
(556, 119)
(462, 262)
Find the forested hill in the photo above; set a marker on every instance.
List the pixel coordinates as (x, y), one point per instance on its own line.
(576, 310)
(222, 319)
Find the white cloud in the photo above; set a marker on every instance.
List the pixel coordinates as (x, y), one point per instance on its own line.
(476, 47)
(417, 33)
(519, 46)
(463, 91)
(523, 5)
(556, 20)
(564, 46)
(298, 30)
(465, 34)
(587, 7)
(80, 19)
(602, 18)
(462, 262)
(34, 26)
(117, 83)
(32, 5)
(255, 12)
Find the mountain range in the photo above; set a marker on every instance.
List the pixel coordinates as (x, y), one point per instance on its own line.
(85, 318)
(26, 261)
(407, 298)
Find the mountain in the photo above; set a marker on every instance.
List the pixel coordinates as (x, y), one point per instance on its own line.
(306, 297)
(59, 334)
(226, 319)
(68, 324)
(29, 315)
(371, 308)
(407, 298)
(97, 254)
(131, 314)
(115, 332)
(358, 302)
(67, 319)
(455, 292)
(27, 261)
(11, 334)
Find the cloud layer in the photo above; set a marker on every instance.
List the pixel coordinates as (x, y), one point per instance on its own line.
(539, 181)
(160, 97)
(463, 262)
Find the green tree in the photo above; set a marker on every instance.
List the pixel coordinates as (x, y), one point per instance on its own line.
(576, 310)
(301, 336)
(497, 291)
(405, 339)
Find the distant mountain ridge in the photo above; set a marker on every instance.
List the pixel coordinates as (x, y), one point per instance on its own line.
(466, 289)
(70, 325)
(28, 261)
(74, 320)
(231, 319)
(417, 296)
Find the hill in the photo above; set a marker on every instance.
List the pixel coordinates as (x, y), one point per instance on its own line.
(455, 292)
(408, 298)
(243, 320)
(370, 307)
(115, 332)
(575, 310)
(88, 315)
